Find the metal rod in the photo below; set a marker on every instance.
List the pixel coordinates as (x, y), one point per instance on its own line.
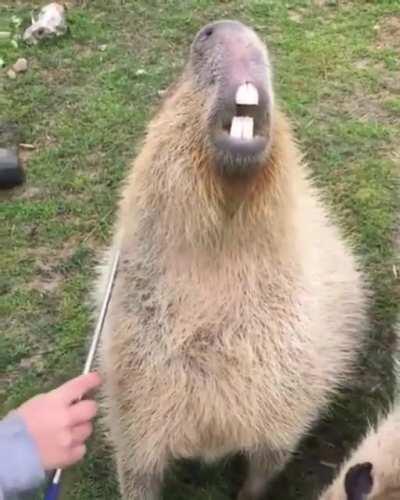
(102, 316)
(53, 490)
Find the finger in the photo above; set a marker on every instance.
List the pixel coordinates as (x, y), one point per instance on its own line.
(82, 412)
(80, 433)
(75, 455)
(76, 388)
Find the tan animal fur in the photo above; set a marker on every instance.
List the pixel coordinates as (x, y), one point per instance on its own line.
(238, 309)
(380, 449)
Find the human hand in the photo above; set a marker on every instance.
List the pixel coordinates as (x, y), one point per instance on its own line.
(60, 423)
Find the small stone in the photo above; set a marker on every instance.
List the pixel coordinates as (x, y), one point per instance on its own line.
(11, 74)
(103, 47)
(21, 65)
(140, 72)
(161, 93)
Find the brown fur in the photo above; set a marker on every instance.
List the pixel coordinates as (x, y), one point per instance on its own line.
(238, 308)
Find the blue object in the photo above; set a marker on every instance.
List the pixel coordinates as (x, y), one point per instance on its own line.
(52, 491)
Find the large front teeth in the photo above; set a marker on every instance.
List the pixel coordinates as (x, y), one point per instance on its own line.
(247, 94)
(242, 127)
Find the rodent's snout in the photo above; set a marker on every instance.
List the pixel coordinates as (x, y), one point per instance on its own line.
(239, 123)
(231, 60)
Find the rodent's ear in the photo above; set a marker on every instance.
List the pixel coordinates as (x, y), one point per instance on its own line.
(358, 481)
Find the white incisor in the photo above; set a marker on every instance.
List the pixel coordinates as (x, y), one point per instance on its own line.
(242, 127)
(247, 94)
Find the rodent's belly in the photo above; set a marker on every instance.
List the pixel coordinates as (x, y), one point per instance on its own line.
(217, 404)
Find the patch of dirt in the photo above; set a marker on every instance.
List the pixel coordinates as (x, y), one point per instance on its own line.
(83, 51)
(24, 192)
(388, 33)
(370, 106)
(362, 63)
(47, 141)
(47, 282)
(10, 194)
(94, 160)
(362, 106)
(25, 154)
(59, 76)
(46, 279)
(30, 193)
(50, 274)
(34, 362)
(391, 83)
(49, 277)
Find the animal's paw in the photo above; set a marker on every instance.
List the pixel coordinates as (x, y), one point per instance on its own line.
(252, 492)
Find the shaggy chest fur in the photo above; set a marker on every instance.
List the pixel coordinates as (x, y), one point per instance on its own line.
(211, 352)
(223, 355)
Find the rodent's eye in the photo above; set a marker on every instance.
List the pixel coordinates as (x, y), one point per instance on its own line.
(206, 34)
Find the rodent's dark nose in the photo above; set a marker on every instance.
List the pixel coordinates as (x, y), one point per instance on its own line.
(218, 27)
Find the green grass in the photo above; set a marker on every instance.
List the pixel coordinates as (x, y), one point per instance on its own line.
(84, 104)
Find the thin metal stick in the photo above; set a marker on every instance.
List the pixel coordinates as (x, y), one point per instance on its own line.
(102, 316)
(53, 490)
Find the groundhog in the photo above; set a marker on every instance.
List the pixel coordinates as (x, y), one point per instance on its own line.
(238, 310)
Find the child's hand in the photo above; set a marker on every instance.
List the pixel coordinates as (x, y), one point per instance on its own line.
(59, 423)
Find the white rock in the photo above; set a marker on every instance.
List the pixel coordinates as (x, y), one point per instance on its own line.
(21, 65)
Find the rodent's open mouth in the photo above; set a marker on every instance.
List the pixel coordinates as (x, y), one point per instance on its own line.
(240, 133)
(240, 148)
